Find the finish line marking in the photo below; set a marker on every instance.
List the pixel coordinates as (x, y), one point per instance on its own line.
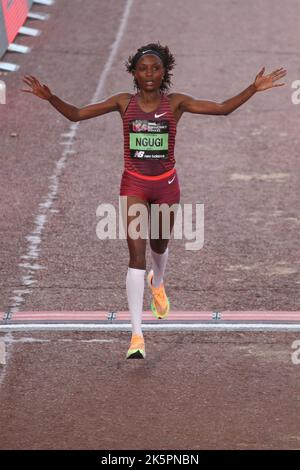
(176, 320)
(174, 316)
(147, 326)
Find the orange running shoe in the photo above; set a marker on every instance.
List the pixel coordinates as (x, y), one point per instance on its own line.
(137, 348)
(160, 304)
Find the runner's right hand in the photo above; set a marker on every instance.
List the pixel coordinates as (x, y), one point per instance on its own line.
(40, 90)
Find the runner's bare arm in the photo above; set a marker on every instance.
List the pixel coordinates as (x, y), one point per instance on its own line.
(75, 114)
(70, 111)
(102, 107)
(189, 104)
(192, 105)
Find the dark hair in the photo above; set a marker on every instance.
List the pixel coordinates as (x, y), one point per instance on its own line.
(167, 58)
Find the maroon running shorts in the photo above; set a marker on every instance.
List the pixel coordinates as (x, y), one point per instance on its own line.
(153, 189)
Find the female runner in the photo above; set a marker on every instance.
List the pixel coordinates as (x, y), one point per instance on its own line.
(150, 117)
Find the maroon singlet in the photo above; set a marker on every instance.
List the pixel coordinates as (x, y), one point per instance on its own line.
(149, 138)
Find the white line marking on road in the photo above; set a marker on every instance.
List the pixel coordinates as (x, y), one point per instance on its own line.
(2, 353)
(36, 340)
(96, 340)
(34, 238)
(7, 352)
(27, 340)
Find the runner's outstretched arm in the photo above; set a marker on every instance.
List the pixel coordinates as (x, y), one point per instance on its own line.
(73, 113)
(191, 105)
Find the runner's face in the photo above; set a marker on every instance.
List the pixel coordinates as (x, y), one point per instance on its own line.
(149, 72)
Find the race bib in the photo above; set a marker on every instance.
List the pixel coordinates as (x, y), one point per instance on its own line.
(149, 139)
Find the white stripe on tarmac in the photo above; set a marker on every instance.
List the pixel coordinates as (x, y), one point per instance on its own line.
(33, 240)
(2, 352)
(166, 326)
(5, 355)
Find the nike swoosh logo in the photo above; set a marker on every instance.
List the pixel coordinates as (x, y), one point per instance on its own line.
(172, 180)
(158, 115)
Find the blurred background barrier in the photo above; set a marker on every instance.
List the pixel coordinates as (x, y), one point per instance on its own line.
(13, 14)
(3, 38)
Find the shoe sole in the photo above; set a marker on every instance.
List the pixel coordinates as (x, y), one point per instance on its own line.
(136, 355)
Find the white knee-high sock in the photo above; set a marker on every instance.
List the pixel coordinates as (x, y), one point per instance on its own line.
(135, 283)
(159, 262)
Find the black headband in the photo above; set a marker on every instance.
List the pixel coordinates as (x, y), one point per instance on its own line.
(138, 55)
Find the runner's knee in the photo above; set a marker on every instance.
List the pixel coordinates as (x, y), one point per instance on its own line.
(159, 246)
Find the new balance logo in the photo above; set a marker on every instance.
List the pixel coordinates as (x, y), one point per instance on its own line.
(158, 115)
(172, 180)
